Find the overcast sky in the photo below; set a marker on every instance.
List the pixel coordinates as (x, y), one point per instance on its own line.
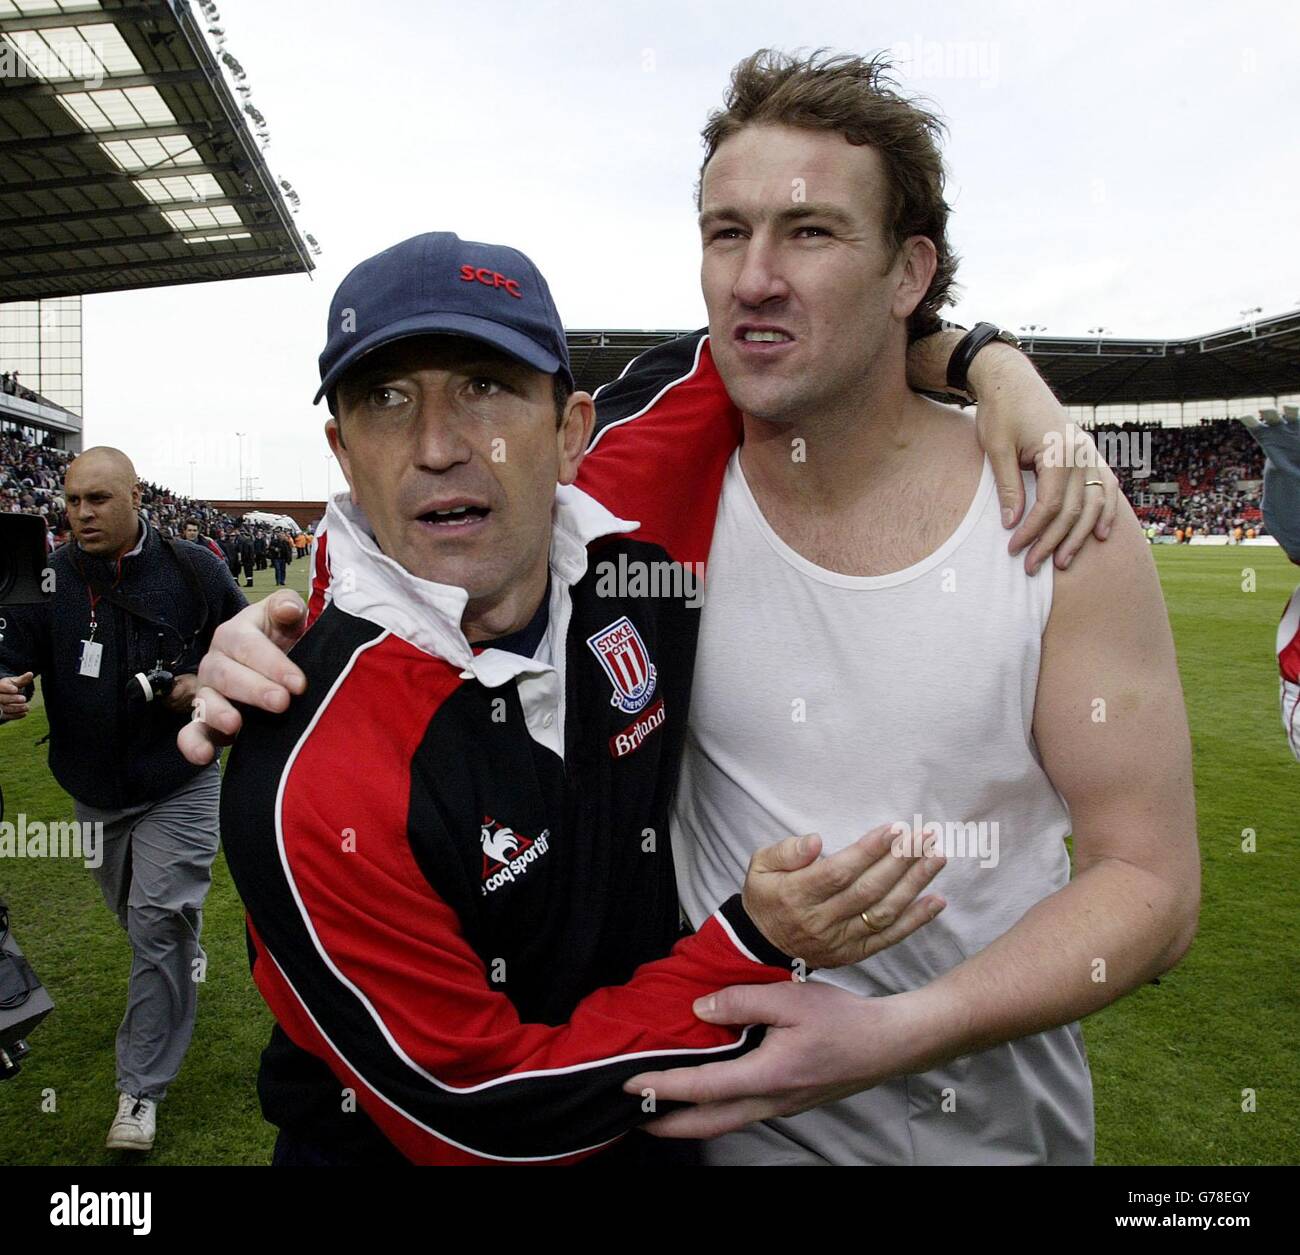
(1126, 165)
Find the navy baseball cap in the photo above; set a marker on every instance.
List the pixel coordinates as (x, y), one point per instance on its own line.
(438, 283)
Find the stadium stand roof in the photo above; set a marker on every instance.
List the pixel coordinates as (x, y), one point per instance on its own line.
(125, 159)
(1253, 360)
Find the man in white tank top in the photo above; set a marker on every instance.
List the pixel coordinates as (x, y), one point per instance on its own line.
(869, 652)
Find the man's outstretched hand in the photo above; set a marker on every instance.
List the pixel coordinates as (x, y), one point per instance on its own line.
(245, 663)
(822, 1044)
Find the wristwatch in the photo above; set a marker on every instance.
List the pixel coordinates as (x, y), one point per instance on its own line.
(976, 338)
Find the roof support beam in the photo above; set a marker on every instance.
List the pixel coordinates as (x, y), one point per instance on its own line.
(253, 270)
(118, 267)
(82, 139)
(169, 236)
(116, 178)
(16, 89)
(126, 13)
(128, 211)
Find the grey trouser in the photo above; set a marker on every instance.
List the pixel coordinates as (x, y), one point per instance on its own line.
(155, 874)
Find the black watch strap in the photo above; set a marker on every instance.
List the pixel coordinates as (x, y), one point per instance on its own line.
(963, 355)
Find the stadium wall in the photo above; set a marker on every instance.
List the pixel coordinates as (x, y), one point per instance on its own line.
(304, 513)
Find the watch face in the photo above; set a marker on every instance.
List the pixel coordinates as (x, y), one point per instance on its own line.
(1008, 337)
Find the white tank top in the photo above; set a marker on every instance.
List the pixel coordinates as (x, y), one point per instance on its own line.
(833, 703)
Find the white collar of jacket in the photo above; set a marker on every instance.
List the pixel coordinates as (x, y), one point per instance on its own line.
(139, 544)
(367, 583)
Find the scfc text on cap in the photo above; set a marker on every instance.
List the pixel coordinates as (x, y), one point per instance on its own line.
(438, 283)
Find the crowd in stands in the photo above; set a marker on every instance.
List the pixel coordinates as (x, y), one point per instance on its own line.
(31, 479)
(1206, 461)
(31, 482)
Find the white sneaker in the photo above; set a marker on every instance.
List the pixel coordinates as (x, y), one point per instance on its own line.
(136, 1122)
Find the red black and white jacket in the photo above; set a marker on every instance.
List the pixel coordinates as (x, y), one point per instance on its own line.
(455, 861)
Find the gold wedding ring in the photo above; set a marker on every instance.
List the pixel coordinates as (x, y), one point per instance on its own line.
(1087, 483)
(871, 928)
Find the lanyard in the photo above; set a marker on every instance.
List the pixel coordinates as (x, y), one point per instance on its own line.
(95, 599)
(140, 613)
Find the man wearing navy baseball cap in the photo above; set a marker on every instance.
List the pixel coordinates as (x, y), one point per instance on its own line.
(468, 503)
(453, 846)
(439, 283)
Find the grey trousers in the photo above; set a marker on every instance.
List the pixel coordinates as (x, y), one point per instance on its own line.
(155, 874)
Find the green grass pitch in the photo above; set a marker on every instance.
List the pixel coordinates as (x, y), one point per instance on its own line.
(1170, 1063)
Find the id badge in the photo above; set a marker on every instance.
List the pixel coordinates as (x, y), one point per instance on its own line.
(91, 653)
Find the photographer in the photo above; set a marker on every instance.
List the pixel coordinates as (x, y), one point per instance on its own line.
(116, 645)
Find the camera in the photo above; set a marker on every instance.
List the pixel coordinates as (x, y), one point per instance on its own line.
(22, 559)
(144, 686)
(24, 1002)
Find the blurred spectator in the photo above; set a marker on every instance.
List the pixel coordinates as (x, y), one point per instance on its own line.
(281, 554)
(195, 536)
(245, 544)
